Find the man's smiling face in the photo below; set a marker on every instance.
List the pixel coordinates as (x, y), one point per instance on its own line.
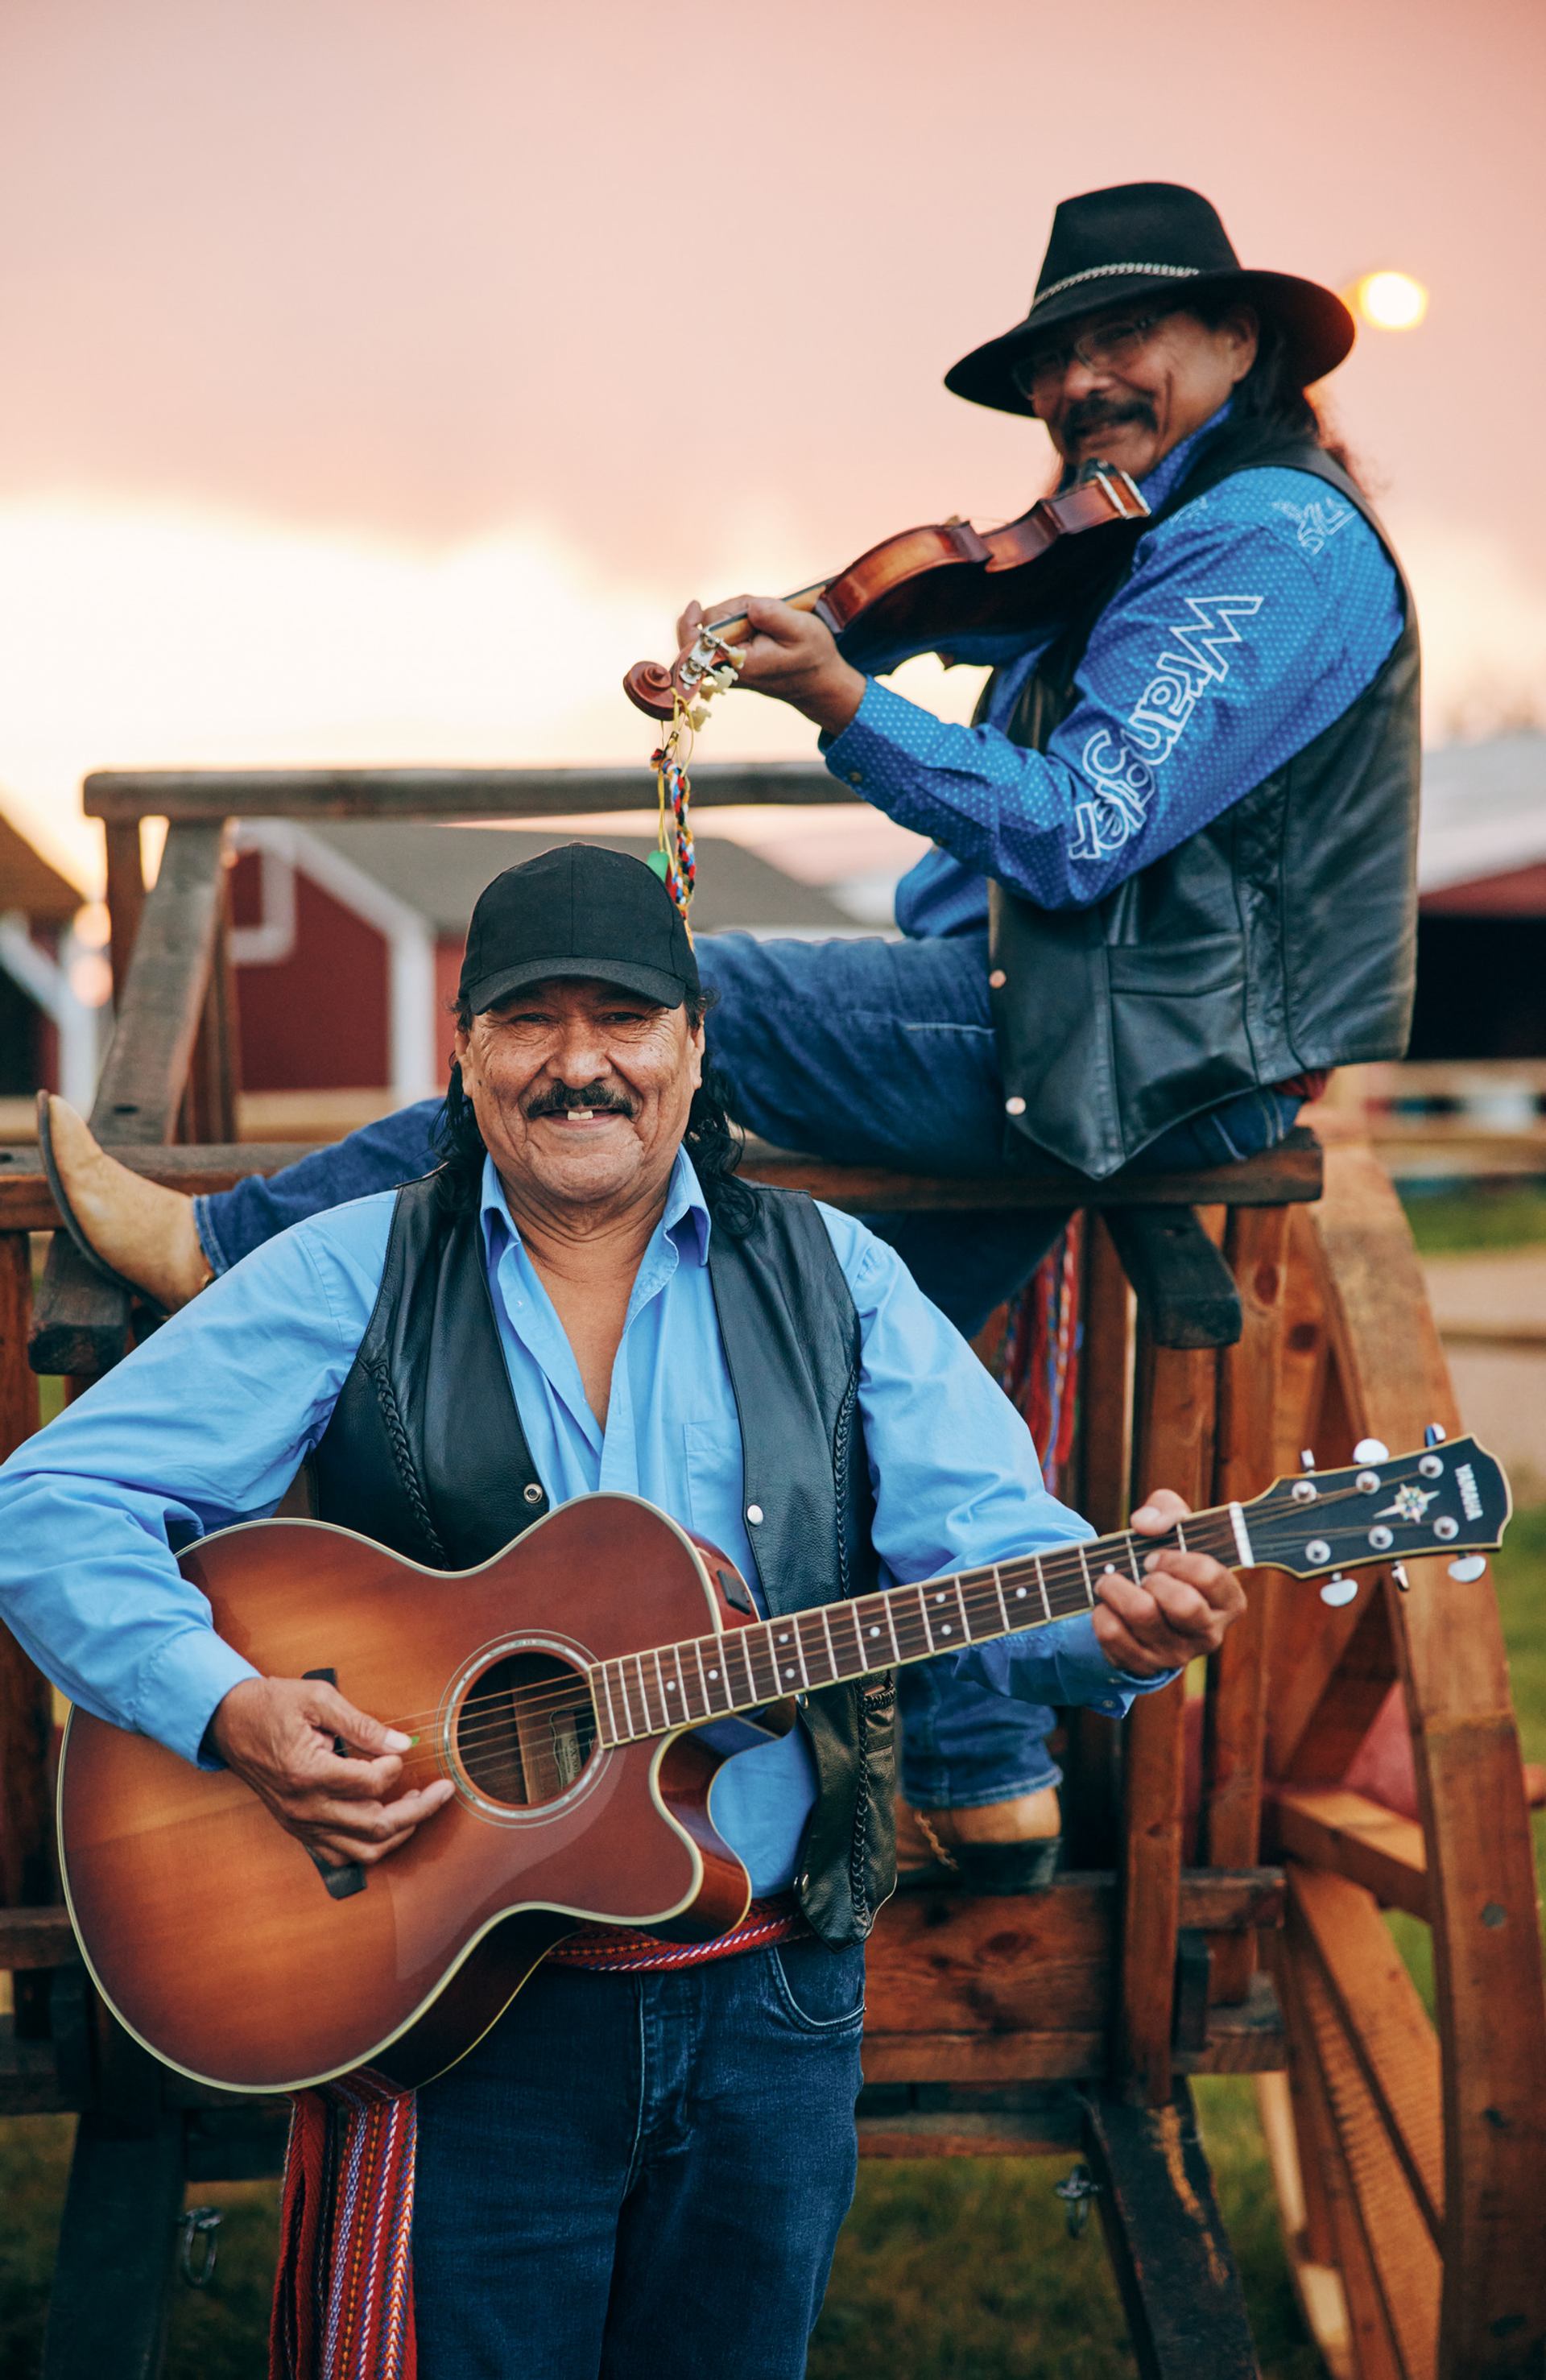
(581, 1091)
(1131, 409)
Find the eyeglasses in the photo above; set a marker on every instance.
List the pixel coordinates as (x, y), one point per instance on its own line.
(1109, 350)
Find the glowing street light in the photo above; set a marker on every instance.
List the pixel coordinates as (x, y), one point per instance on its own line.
(1389, 301)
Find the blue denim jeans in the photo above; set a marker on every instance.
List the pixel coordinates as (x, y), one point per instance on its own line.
(635, 2175)
(862, 1051)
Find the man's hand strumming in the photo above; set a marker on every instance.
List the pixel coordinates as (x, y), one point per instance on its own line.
(1186, 1603)
(277, 1733)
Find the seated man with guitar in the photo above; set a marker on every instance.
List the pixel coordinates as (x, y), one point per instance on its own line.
(1173, 873)
(642, 2165)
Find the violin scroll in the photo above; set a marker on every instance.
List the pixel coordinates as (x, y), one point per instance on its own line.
(650, 687)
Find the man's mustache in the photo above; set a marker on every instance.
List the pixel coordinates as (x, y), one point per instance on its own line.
(561, 1098)
(1099, 413)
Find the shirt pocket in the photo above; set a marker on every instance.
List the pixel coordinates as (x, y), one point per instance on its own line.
(712, 1461)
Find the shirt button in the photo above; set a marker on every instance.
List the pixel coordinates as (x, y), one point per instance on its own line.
(803, 1882)
(533, 1494)
(754, 1514)
(856, 776)
(997, 981)
(1016, 1106)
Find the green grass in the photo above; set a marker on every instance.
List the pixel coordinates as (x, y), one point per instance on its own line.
(1482, 1215)
(957, 2270)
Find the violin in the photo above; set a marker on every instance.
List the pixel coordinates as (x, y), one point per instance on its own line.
(915, 591)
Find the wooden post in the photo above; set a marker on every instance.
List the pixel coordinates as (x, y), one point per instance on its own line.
(210, 1107)
(126, 895)
(107, 2311)
(82, 1325)
(26, 1703)
(1180, 2290)
(1480, 1873)
(1174, 1433)
(1235, 1713)
(1092, 1788)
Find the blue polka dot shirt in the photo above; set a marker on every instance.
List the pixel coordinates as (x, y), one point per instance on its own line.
(1251, 619)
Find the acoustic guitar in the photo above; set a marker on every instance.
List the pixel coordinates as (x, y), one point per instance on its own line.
(559, 1685)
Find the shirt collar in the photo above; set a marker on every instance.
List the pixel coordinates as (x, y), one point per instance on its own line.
(686, 1218)
(1171, 468)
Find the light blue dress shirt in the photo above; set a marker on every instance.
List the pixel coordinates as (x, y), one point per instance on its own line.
(208, 1421)
(1251, 619)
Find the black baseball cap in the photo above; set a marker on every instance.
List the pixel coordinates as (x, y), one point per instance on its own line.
(580, 911)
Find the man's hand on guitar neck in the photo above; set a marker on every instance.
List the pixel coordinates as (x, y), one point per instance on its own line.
(1182, 1609)
(277, 1734)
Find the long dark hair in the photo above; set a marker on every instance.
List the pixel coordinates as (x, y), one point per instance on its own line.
(714, 1143)
(1270, 404)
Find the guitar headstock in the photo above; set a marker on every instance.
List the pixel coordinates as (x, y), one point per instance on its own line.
(1450, 1499)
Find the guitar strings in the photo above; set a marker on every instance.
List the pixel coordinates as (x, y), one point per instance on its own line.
(1049, 1570)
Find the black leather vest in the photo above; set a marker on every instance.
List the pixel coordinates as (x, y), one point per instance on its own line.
(425, 1452)
(1280, 937)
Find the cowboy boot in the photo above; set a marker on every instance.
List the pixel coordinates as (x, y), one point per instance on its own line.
(139, 1234)
(1001, 1847)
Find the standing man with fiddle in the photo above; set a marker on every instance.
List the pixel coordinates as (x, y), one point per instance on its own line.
(1172, 879)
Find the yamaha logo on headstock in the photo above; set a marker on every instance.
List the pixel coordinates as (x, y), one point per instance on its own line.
(1441, 1499)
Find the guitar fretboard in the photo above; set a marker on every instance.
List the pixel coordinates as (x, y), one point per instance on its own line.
(642, 1694)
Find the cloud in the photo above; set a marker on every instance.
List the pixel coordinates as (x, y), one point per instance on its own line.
(142, 637)
(146, 635)
(1483, 618)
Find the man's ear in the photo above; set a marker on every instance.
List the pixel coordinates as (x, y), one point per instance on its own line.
(694, 1053)
(1242, 327)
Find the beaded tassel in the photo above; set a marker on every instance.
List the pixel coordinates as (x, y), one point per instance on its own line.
(710, 668)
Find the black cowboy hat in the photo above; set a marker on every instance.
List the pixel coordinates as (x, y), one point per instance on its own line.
(1139, 240)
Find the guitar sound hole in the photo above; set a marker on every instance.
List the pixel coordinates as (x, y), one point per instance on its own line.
(526, 1730)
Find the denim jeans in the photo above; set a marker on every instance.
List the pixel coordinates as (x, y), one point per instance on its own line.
(636, 2175)
(863, 1050)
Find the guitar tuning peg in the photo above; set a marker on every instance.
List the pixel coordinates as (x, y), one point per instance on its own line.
(1435, 1434)
(1469, 1566)
(1307, 1459)
(1398, 1572)
(1338, 1591)
(1371, 1449)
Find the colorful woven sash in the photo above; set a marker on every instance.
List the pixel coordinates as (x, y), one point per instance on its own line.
(343, 2294)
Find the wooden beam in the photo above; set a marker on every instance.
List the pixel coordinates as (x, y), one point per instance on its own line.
(1401, 2256)
(1174, 2263)
(26, 1702)
(1348, 1835)
(25, 1203)
(1283, 1174)
(1091, 1794)
(1374, 2352)
(145, 1070)
(1481, 1876)
(81, 1323)
(126, 895)
(1235, 1711)
(1332, 1671)
(107, 2313)
(35, 1938)
(959, 1963)
(1185, 1292)
(1175, 1410)
(210, 794)
(1339, 1925)
(934, 2119)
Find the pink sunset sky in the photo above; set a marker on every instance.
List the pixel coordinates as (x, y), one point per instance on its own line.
(382, 374)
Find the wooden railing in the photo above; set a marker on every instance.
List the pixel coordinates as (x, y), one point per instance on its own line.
(1231, 1318)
